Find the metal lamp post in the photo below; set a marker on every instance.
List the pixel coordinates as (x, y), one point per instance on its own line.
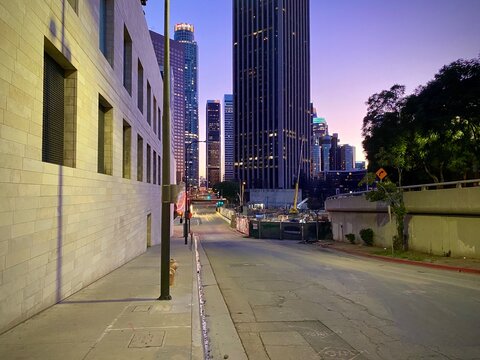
(165, 247)
(187, 208)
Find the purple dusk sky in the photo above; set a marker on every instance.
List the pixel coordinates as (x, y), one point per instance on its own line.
(358, 48)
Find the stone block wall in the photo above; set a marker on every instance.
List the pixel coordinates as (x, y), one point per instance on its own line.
(63, 227)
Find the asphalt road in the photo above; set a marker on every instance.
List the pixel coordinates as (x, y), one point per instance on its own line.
(295, 301)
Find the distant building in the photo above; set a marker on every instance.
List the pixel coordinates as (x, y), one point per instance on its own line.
(335, 156)
(214, 153)
(326, 146)
(319, 130)
(271, 88)
(177, 112)
(360, 165)
(184, 33)
(347, 157)
(228, 137)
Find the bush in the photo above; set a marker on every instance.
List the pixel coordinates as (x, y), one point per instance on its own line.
(367, 236)
(351, 238)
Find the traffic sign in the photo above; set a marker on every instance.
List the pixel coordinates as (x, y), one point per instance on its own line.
(381, 173)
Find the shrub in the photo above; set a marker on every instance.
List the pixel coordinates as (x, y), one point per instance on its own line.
(351, 238)
(367, 236)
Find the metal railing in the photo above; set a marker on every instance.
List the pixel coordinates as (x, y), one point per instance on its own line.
(421, 187)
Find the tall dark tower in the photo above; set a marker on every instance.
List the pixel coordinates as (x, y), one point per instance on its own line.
(184, 33)
(271, 86)
(214, 153)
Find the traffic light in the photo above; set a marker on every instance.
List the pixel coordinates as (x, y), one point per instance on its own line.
(219, 203)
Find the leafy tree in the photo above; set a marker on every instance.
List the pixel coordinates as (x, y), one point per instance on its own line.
(228, 189)
(434, 132)
(391, 194)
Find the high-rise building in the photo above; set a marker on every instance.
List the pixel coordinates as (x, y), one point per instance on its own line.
(184, 33)
(214, 155)
(335, 162)
(347, 156)
(177, 64)
(228, 137)
(319, 130)
(326, 147)
(271, 82)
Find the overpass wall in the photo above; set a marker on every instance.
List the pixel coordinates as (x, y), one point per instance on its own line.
(438, 221)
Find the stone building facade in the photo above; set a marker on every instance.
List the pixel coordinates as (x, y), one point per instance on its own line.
(80, 147)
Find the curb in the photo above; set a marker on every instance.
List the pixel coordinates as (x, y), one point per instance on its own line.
(408, 262)
(222, 337)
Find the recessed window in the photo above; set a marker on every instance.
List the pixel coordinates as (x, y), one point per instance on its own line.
(159, 119)
(154, 114)
(105, 140)
(154, 167)
(127, 150)
(106, 29)
(127, 61)
(74, 5)
(149, 104)
(139, 158)
(149, 164)
(140, 87)
(59, 109)
(159, 170)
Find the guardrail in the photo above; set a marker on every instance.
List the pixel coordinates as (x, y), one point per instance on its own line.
(421, 187)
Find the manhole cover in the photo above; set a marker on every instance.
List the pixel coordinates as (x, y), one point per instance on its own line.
(147, 338)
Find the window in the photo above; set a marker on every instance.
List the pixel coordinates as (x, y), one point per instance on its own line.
(127, 61)
(139, 158)
(159, 164)
(59, 109)
(106, 27)
(154, 115)
(140, 87)
(154, 167)
(105, 142)
(149, 164)
(73, 4)
(127, 149)
(159, 119)
(149, 104)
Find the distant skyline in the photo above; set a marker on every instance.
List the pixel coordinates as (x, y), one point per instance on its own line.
(358, 48)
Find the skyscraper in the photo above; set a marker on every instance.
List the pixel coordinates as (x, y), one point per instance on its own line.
(184, 33)
(271, 82)
(319, 130)
(214, 155)
(177, 64)
(229, 141)
(347, 155)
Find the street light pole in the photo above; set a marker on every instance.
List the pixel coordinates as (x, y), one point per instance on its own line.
(165, 247)
(187, 208)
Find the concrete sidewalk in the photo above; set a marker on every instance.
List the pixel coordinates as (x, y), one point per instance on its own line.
(118, 317)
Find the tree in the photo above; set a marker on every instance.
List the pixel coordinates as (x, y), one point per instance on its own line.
(228, 189)
(391, 194)
(434, 132)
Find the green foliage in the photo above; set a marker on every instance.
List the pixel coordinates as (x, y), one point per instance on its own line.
(351, 238)
(433, 133)
(367, 236)
(392, 195)
(228, 190)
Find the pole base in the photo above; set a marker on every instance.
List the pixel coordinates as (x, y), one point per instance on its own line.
(165, 298)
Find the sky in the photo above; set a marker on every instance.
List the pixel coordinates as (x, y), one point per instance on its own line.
(358, 48)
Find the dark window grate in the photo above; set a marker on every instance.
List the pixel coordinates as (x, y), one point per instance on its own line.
(53, 111)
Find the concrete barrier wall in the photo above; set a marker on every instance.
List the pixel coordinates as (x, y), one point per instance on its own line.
(438, 221)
